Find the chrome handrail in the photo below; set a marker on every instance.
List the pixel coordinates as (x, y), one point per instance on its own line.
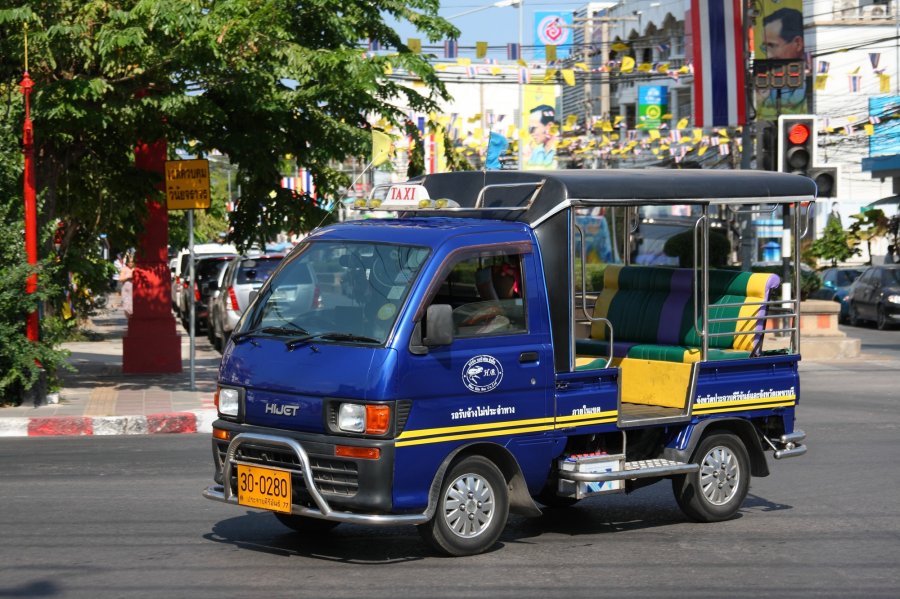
(590, 317)
(694, 282)
(538, 185)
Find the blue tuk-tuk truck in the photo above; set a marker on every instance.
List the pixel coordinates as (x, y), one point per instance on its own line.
(465, 357)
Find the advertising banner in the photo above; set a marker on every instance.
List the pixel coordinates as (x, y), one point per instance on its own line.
(653, 103)
(552, 29)
(778, 36)
(541, 126)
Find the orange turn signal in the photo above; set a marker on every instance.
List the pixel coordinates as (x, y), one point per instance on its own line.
(221, 434)
(378, 419)
(366, 453)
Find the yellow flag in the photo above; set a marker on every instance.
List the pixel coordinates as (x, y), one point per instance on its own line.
(568, 76)
(521, 63)
(510, 131)
(644, 67)
(851, 118)
(481, 49)
(571, 120)
(381, 147)
(702, 150)
(581, 66)
(682, 124)
(606, 126)
(415, 45)
(464, 62)
(440, 67)
(551, 52)
(617, 120)
(697, 135)
(870, 128)
(495, 71)
(549, 74)
(654, 133)
(627, 65)
(663, 68)
(619, 47)
(884, 81)
(821, 81)
(388, 69)
(478, 133)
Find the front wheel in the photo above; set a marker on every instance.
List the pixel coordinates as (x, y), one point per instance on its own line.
(471, 510)
(881, 321)
(717, 490)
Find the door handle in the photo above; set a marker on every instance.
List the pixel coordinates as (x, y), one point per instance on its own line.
(528, 356)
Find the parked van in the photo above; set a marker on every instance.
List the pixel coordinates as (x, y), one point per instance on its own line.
(181, 269)
(461, 363)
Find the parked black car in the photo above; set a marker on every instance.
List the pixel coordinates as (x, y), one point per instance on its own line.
(206, 269)
(875, 296)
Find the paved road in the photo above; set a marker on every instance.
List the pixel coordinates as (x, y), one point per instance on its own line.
(123, 517)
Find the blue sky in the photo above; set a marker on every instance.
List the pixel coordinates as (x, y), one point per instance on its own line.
(497, 26)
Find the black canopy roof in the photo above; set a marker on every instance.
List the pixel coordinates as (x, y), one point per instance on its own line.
(564, 188)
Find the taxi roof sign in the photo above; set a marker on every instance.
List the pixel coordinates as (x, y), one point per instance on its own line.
(187, 184)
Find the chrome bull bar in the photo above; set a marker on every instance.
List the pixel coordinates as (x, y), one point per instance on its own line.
(224, 494)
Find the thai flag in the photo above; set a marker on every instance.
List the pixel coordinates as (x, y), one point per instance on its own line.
(451, 49)
(524, 75)
(513, 52)
(855, 82)
(374, 45)
(718, 63)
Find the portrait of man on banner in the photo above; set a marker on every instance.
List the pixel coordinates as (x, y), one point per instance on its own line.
(778, 35)
(542, 128)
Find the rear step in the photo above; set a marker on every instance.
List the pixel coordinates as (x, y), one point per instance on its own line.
(633, 470)
(594, 474)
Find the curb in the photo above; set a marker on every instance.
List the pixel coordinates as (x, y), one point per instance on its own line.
(199, 421)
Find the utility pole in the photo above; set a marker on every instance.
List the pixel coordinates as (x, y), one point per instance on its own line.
(745, 219)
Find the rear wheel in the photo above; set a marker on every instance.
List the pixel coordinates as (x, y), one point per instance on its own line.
(471, 511)
(854, 315)
(305, 524)
(718, 489)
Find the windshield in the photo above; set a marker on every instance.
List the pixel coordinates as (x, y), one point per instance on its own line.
(337, 290)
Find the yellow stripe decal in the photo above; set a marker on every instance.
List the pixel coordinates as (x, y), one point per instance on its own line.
(426, 432)
(743, 402)
(493, 433)
(610, 413)
(707, 410)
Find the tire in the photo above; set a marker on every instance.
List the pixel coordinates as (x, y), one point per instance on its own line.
(881, 321)
(471, 509)
(306, 524)
(703, 495)
(854, 316)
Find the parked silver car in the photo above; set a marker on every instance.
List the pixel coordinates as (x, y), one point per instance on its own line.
(243, 277)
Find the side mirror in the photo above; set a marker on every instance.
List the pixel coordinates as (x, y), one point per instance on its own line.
(829, 284)
(438, 327)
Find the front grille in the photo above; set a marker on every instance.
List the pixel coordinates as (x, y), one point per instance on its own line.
(332, 476)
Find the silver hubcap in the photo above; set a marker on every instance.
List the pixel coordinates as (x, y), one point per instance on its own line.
(469, 506)
(720, 475)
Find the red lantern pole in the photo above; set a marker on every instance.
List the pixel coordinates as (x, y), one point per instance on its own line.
(30, 201)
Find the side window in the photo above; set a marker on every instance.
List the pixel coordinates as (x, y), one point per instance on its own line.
(487, 296)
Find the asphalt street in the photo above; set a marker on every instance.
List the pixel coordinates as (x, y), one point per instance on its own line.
(123, 517)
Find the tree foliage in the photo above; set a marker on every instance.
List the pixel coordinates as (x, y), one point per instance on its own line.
(834, 244)
(867, 227)
(254, 80)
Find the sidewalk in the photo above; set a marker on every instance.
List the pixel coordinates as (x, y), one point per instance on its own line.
(98, 399)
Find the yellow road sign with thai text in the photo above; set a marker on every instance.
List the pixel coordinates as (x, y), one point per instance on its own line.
(187, 184)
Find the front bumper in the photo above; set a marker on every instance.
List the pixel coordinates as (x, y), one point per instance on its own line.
(312, 501)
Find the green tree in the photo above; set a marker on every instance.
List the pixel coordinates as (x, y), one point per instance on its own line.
(834, 244)
(867, 227)
(253, 80)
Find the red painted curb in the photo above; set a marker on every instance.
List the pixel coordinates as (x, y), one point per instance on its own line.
(60, 425)
(174, 422)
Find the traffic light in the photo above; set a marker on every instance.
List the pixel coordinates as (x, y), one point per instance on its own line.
(826, 180)
(796, 144)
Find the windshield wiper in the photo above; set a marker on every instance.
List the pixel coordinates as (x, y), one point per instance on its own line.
(292, 330)
(333, 336)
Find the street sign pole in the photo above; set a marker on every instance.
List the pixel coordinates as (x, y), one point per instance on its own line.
(191, 293)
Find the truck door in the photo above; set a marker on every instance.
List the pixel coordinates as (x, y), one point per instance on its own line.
(494, 381)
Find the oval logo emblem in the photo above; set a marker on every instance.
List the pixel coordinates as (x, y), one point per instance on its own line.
(482, 374)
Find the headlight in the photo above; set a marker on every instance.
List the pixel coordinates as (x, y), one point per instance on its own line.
(371, 419)
(894, 299)
(228, 401)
